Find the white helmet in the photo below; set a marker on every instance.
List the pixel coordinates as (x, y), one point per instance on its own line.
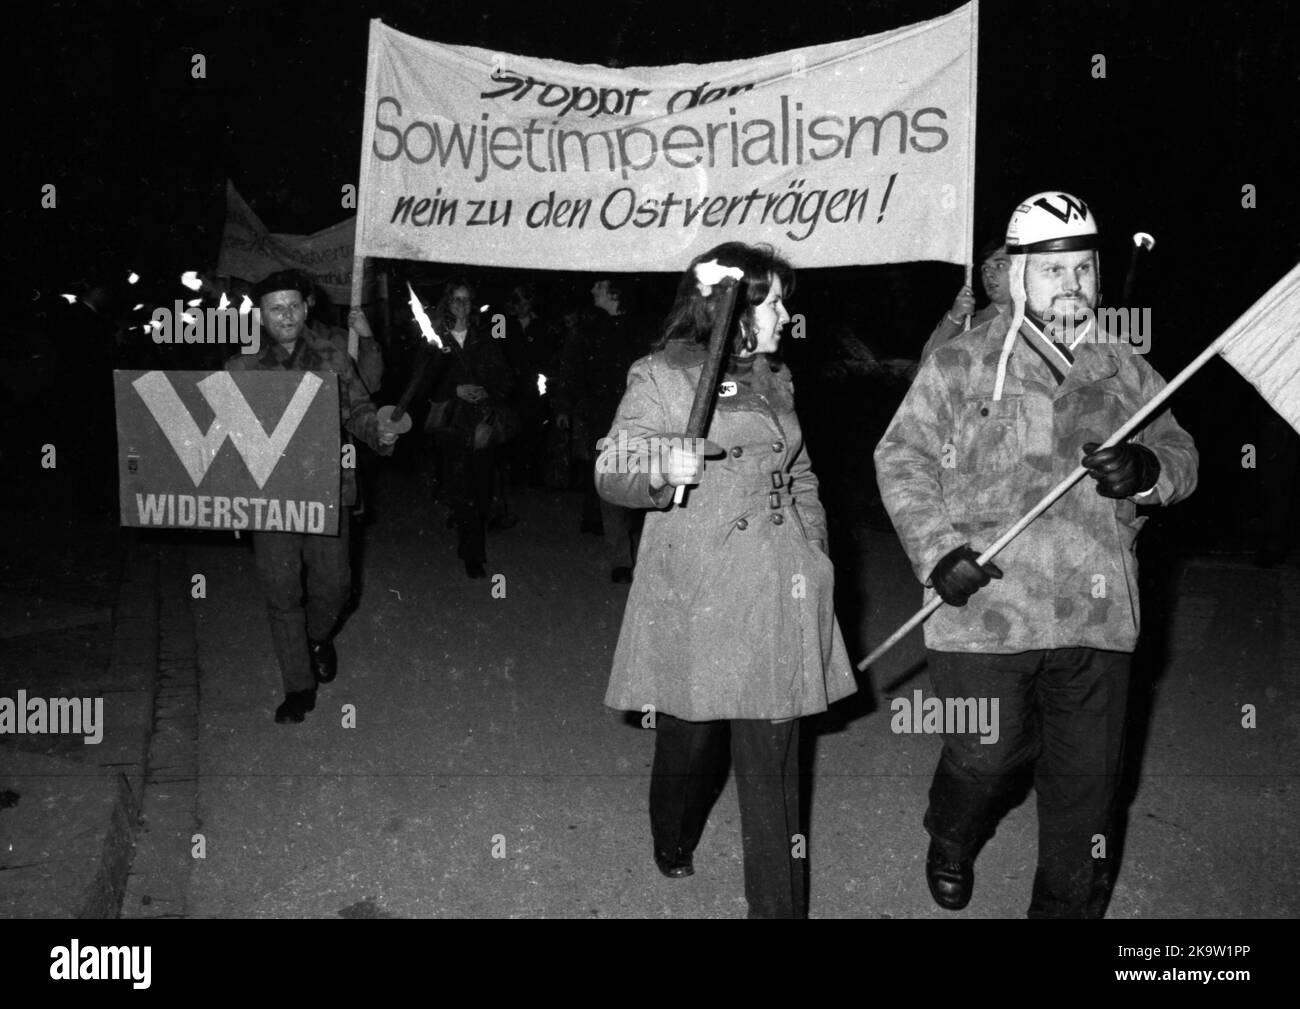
(1051, 222)
(1046, 222)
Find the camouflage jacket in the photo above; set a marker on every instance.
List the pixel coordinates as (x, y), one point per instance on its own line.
(945, 329)
(320, 351)
(369, 362)
(956, 467)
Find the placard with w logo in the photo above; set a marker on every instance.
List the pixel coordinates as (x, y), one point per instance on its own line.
(246, 450)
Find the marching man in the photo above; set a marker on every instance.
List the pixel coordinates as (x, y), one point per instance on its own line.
(303, 624)
(996, 418)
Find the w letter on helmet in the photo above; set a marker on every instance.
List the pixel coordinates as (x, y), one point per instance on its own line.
(1073, 207)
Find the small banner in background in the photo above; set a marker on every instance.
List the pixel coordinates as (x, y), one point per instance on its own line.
(250, 252)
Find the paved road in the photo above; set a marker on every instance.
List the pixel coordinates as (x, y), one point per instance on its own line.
(479, 731)
(60, 573)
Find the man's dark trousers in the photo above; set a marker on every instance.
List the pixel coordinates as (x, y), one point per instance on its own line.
(288, 562)
(1061, 717)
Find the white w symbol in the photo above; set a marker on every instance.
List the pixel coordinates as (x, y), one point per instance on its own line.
(234, 419)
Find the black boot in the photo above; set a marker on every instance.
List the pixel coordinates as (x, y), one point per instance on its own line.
(295, 705)
(675, 864)
(951, 876)
(324, 661)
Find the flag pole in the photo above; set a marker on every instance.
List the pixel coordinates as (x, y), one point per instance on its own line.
(358, 276)
(363, 173)
(970, 148)
(1252, 315)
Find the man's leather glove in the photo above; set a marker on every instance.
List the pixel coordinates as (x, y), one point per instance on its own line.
(957, 576)
(1121, 470)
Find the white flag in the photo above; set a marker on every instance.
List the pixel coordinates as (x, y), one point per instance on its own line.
(1264, 346)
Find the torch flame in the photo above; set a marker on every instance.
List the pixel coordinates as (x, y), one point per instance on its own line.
(190, 278)
(224, 303)
(422, 317)
(246, 305)
(541, 385)
(713, 272)
(1144, 240)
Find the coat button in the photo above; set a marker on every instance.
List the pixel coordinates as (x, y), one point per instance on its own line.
(778, 446)
(743, 524)
(737, 452)
(777, 519)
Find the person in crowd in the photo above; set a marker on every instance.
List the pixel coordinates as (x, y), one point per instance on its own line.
(369, 362)
(993, 262)
(568, 462)
(530, 350)
(369, 365)
(469, 417)
(729, 632)
(593, 377)
(307, 578)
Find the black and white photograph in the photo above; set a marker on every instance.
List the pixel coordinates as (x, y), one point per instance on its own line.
(651, 460)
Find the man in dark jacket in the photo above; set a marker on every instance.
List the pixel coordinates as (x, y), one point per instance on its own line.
(301, 629)
(593, 377)
(530, 350)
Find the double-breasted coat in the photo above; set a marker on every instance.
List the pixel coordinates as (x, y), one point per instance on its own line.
(731, 613)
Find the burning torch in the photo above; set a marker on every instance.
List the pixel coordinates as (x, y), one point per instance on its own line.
(395, 417)
(1142, 242)
(727, 280)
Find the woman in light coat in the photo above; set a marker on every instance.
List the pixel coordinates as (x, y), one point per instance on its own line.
(730, 628)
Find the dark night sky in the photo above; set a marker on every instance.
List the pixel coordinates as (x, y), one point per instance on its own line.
(1198, 100)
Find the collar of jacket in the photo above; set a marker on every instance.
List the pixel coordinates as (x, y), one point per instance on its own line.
(1094, 361)
(740, 368)
(474, 333)
(275, 356)
(306, 354)
(687, 354)
(766, 387)
(684, 354)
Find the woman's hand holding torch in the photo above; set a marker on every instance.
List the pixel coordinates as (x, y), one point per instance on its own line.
(678, 466)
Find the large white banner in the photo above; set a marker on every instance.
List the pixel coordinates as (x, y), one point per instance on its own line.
(855, 152)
